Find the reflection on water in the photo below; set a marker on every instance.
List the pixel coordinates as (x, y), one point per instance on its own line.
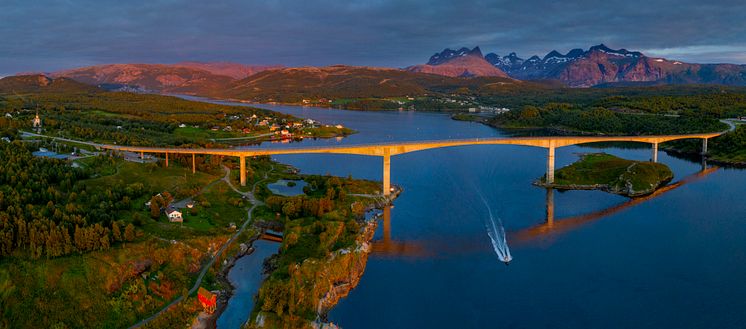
(287, 187)
(391, 248)
(541, 233)
(552, 228)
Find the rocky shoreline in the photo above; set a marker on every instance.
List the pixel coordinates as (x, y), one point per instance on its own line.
(628, 191)
(335, 275)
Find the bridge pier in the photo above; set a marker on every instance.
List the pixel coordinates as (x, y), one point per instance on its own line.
(386, 172)
(704, 146)
(142, 155)
(194, 164)
(550, 165)
(167, 159)
(242, 160)
(654, 156)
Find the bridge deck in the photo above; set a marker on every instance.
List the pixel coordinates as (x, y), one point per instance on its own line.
(378, 149)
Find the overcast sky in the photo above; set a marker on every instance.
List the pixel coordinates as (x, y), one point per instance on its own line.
(40, 35)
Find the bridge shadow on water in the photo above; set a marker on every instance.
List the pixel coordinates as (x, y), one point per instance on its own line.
(540, 234)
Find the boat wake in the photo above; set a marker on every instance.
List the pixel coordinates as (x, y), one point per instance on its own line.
(496, 233)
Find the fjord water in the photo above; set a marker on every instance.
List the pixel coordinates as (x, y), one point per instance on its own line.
(676, 260)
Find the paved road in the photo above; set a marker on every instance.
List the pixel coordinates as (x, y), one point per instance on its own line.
(729, 122)
(255, 203)
(242, 138)
(26, 133)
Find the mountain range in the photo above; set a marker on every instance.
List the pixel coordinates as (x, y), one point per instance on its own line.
(599, 65)
(463, 63)
(185, 77)
(447, 71)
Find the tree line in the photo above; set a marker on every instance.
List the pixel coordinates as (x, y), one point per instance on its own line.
(46, 210)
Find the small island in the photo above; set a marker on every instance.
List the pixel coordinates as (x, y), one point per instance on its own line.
(601, 171)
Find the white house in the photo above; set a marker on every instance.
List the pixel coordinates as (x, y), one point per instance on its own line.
(174, 216)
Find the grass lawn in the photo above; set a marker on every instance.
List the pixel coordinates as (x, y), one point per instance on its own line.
(202, 134)
(219, 206)
(177, 180)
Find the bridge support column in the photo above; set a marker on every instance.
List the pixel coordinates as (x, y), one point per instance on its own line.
(704, 146)
(142, 155)
(550, 165)
(194, 164)
(242, 160)
(166, 159)
(386, 172)
(654, 156)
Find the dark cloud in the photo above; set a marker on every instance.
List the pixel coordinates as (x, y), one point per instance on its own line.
(49, 35)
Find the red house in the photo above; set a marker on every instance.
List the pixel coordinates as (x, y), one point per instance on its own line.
(207, 299)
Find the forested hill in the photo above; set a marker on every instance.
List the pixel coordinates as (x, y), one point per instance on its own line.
(23, 84)
(341, 81)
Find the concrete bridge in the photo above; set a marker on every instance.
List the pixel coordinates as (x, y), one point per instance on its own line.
(387, 150)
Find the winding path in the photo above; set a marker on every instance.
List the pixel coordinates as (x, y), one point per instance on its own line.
(255, 203)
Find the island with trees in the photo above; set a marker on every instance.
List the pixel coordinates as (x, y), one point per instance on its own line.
(601, 171)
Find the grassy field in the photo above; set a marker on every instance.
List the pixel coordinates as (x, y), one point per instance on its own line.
(204, 134)
(612, 174)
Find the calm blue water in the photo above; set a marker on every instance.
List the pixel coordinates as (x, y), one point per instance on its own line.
(674, 261)
(281, 187)
(246, 276)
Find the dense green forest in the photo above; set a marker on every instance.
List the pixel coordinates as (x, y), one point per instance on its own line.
(568, 119)
(728, 149)
(46, 211)
(722, 100)
(637, 111)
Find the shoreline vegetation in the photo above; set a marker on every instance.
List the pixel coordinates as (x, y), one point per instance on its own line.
(605, 172)
(345, 264)
(323, 252)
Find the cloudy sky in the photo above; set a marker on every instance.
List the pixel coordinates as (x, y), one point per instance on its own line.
(43, 35)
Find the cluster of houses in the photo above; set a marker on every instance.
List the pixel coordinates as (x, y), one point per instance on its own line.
(277, 126)
(319, 101)
(489, 109)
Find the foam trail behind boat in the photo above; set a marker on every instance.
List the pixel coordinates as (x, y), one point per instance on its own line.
(496, 233)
